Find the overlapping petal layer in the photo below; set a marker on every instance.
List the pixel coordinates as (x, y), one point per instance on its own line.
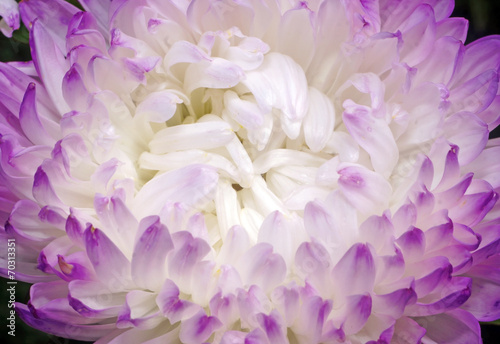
(252, 171)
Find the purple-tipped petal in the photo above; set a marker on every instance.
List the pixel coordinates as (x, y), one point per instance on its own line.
(457, 326)
(193, 185)
(366, 190)
(225, 308)
(473, 208)
(139, 311)
(453, 295)
(354, 313)
(63, 329)
(484, 302)
(172, 307)
(187, 253)
(30, 120)
(394, 304)
(374, 135)
(54, 17)
(359, 258)
(9, 12)
(109, 263)
(408, 331)
(50, 64)
(96, 300)
(198, 328)
(412, 243)
(262, 267)
(151, 248)
(272, 326)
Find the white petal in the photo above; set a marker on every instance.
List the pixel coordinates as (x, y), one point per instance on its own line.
(320, 119)
(205, 135)
(280, 83)
(193, 185)
(158, 107)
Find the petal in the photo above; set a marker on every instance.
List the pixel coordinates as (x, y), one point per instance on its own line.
(373, 134)
(108, 261)
(419, 34)
(43, 190)
(225, 308)
(287, 302)
(172, 307)
(10, 17)
(74, 90)
(312, 317)
(282, 233)
(452, 296)
(152, 245)
(100, 10)
(272, 325)
(262, 267)
(96, 300)
(437, 67)
(246, 113)
(188, 252)
(394, 303)
(378, 231)
(321, 226)
(140, 311)
(158, 107)
(358, 258)
(193, 185)
(54, 18)
(412, 243)
(473, 208)
(204, 15)
(30, 120)
(280, 83)
(457, 327)
(366, 190)
(476, 94)
(408, 331)
(295, 30)
(480, 56)
(58, 328)
(313, 263)
(319, 121)
(235, 243)
(50, 64)
(198, 328)
(484, 301)
(205, 135)
(218, 73)
(354, 314)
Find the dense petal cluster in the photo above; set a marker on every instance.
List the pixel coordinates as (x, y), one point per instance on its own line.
(252, 171)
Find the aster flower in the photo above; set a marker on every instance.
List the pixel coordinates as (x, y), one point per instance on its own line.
(252, 171)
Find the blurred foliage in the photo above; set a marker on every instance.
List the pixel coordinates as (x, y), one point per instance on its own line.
(483, 20)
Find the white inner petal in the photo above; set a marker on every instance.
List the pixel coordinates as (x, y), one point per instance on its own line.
(270, 132)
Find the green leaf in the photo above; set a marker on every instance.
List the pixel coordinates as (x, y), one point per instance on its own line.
(22, 35)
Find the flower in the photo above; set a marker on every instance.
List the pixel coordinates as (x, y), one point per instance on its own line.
(253, 171)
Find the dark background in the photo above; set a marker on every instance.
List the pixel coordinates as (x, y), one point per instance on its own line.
(484, 17)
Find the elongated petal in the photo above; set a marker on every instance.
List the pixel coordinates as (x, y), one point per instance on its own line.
(58, 328)
(151, 248)
(358, 258)
(108, 261)
(374, 135)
